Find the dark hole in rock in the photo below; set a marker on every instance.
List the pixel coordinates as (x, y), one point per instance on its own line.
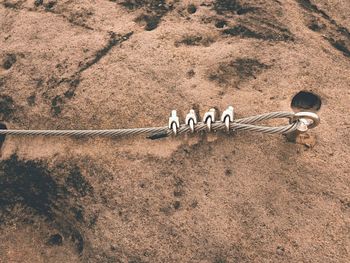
(191, 9)
(220, 24)
(9, 60)
(38, 2)
(50, 5)
(316, 25)
(151, 21)
(55, 240)
(305, 100)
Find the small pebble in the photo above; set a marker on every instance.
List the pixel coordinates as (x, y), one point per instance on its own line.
(280, 250)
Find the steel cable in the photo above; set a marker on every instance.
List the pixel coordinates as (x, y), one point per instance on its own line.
(244, 124)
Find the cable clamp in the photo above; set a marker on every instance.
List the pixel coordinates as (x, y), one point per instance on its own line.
(209, 118)
(174, 123)
(191, 119)
(227, 117)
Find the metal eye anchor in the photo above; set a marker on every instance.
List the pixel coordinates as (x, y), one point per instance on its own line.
(191, 120)
(227, 117)
(309, 119)
(174, 123)
(305, 121)
(209, 118)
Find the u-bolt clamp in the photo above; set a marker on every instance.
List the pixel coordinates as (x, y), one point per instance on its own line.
(191, 119)
(209, 118)
(227, 117)
(174, 123)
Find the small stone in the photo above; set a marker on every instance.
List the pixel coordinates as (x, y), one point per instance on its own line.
(280, 250)
(306, 139)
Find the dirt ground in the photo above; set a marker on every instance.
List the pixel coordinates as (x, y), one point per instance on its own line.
(246, 197)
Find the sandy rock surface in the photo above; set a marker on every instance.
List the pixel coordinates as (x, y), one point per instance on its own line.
(245, 197)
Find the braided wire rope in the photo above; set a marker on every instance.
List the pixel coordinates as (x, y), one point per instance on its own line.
(244, 124)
